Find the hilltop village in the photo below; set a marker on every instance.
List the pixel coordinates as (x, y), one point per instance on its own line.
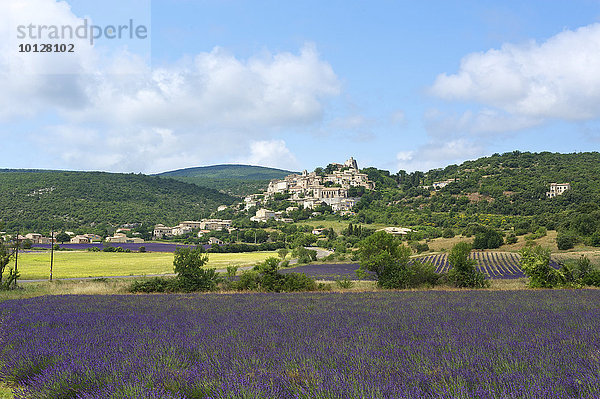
(308, 190)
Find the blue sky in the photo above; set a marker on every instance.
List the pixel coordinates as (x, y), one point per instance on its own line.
(396, 84)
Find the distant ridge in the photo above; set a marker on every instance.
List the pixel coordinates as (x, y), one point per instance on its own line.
(230, 171)
(231, 179)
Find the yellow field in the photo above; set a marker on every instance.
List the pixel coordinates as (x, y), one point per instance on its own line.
(95, 264)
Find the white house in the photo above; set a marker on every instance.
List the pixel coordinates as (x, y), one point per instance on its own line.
(80, 239)
(214, 241)
(557, 189)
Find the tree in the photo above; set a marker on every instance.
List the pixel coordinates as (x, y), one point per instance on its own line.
(63, 237)
(463, 272)
(448, 233)
(6, 255)
(565, 241)
(535, 262)
(188, 264)
(382, 254)
(488, 239)
(282, 252)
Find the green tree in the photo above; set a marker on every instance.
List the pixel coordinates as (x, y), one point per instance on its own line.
(384, 255)
(565, 241)
(463, 272)
(282, 252)
(448, 233)
(6, 255)
(535, 262)
(188, 264)
(488, 239)
(63, 237)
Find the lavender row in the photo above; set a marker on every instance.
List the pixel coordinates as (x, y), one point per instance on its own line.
(496, 265)
(499, 265)
(517, 344)
(327, 271)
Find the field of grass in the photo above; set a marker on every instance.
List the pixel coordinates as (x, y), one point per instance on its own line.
(34, 266)
(338, 225)
(5, 392)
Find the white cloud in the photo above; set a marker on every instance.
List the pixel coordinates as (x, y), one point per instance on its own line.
(483, 122)
(555, 79)
(438, 154)
(398, 117)
(273, 153)
(119, 114)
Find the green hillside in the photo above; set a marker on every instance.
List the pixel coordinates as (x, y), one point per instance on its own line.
(32, 200)
(236, 180)
(504, 191)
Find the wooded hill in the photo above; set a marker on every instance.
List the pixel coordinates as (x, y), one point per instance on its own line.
(37, 200)
(238, 180)
(511, 186)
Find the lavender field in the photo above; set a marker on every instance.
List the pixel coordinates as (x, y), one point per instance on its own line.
(496, 265)
(430, 344)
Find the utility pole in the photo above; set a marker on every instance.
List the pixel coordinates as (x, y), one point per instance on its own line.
(16, 258)
(51, 251)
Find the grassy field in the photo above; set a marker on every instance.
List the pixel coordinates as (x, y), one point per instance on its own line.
(445, 244)
(34, 266)
(337, 225)
(5, 392)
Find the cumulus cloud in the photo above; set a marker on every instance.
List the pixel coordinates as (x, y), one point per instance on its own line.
(482, 122)
(117, 113)
(438, 154)
(398, 117)
(215, 89)
(273, 153)
(554, 79)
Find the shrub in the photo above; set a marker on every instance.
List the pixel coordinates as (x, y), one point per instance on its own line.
(578, 273)
(419, 248)
(142, 249)
(266, 277)
(511, 239)
(232, 271)
(155, 284)
(595, 239)
(345, 283)
(448, 233)
(285, 263)
(565, 241)
(488, 240)
(297, 282)
(304, 255)
(93, 249)
(463, 272)
(593, 278)
(249, 280)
